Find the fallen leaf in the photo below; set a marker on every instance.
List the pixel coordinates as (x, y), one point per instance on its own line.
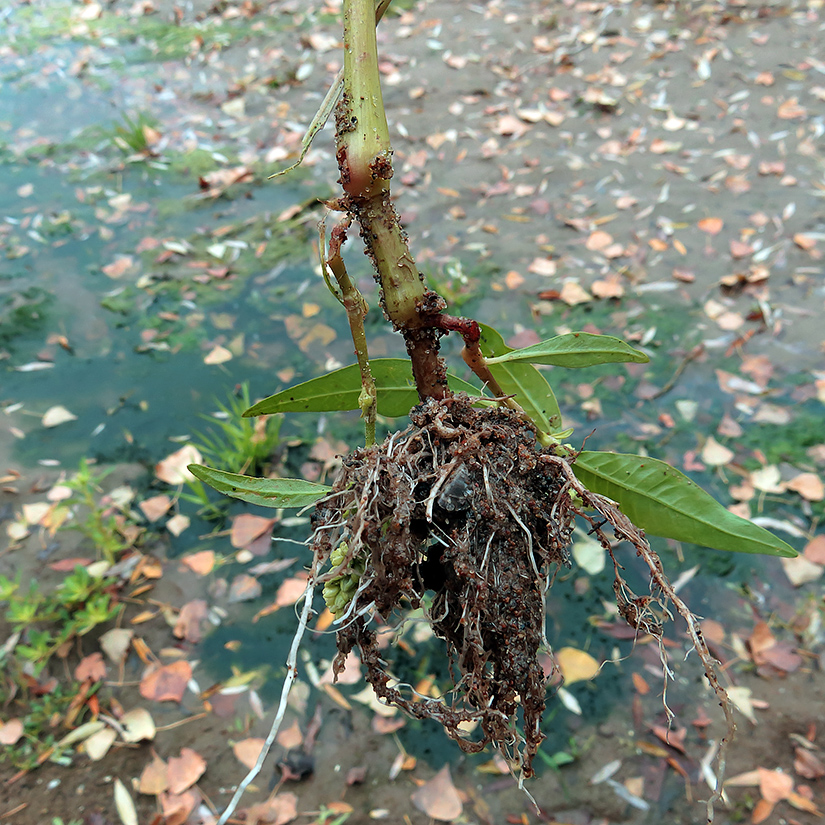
(91, 667)
(715, 454)
(172, 470)
(124, 804)
(247, 751)
(55, 416)
(138, 725)
(119, 267)
(761, 811)
(774, 785)
(218, 355)
(177, 524)
(190, 621)
(176, 808)
(247, 527)
(244, 588)
(576, 665)
(808, 485)
(290, 591)
(153, 780)
(279, 810)
(11, 731)
(185, 770)
(815, 549)
(438, 798)
(166, 683)
(115, 643)
(808, 765)
(202, 562)
(572, 293)
(155, 507)
(800, 570)
(290, 737)
(98, 744)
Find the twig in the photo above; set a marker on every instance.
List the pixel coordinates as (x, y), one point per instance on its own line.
(291, 673)
(691, 356)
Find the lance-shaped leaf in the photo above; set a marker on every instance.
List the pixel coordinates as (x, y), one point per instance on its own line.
(340, 389)
(664, 502)
(574, 350)
(267, 492)
(524, 381)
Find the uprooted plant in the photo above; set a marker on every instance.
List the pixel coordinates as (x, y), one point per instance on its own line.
(468, 512)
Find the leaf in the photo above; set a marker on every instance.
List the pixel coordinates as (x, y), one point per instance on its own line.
(268, 492)
(340, 389)
(91, 667)
(11, 731)
(523, 381)
(438, 798)
(574, 350)
(664, 502)
(137, 725)
(123, 802)
(55, 416)
(576, 665)
(247, 751)
(185, 770)
(115, 643)
(244, 588)
(173, 468)
(166, 683)
(153, 777)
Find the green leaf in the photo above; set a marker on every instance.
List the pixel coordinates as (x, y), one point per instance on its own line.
(268, 492)
(340, 389)
(575, 350)
(523, 381)
(664, 502)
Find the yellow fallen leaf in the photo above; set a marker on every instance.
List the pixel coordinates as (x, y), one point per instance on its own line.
(576, 665)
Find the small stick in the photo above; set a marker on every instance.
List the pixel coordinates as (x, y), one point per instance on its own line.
(291, 673)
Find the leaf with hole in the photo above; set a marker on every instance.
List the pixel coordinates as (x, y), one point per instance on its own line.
(522, 380)
(664, 502)
(575, 350)
(267, 492)
(340, 389)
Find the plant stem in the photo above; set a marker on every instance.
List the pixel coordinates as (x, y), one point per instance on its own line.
(356, 307)
(364, 158)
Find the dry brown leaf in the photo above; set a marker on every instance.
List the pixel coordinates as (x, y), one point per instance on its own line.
(715, 454)
(138, 725)
(98, 744)
(91, 667)
(247, 751)
(276, 811)
(11, 731)
(172, 470)
(760, 640)
(190, 621)
(201, 562)
(542, 266)
(185, 770)
(513, 279)
(155, 507)
(791, 110)
(800, 570)
(804, 241)
(815, 549)
(808, 485)
(176, 808)
(119, 267)
(439, 798)
(761, 811)
(290, 737)
(808, 765)
(57, 415)
(244, 588)
(247, 527)
(774, 785)
(153, 779)
(510, 125)
(572, 293)
(576, 665)
(124, 804)
(115, 643)
(166, 683)
(713, 226)
(610, 287)
(290, 591)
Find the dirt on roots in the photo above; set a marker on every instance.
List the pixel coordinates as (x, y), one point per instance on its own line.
(465, 515)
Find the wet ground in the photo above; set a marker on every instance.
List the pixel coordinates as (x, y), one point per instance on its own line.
(651, 171)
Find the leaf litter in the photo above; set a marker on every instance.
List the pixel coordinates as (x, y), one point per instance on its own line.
(590, 67)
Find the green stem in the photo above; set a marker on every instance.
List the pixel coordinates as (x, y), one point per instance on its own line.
(356, 307)
(364, 157)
